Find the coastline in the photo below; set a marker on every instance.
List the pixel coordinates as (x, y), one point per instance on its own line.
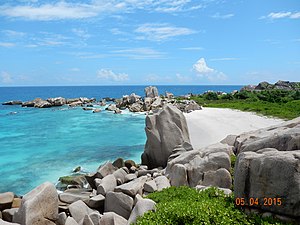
(211, 125)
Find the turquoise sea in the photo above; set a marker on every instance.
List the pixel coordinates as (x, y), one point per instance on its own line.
(38, 145)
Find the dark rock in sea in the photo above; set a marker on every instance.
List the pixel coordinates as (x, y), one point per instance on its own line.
(119, 163)
(40, 103)
(118, 111)
(129, 163)
(108, 99)
(87, 108)
(151, 92)
(165, 130)
(14, 102)
(77, 169)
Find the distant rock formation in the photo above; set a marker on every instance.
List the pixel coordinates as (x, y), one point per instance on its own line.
(151, 92)
(166, 130)
(279, 85)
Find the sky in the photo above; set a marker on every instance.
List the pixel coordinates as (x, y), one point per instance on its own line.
(142, 42)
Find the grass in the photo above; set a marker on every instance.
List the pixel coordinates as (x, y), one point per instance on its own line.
(275, 103)
(184, 205)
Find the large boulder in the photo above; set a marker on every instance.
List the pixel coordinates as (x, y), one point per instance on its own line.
(119, 203)
(136, 107)
(272, 177)
(151, 92)
(283, 137)
(79, 210)
(111, 218)
(165, 130)
(40, 103)
(206, 166)
(142, 206)
(133, 187)
(39, 207)
(14, 102)
(6, 200)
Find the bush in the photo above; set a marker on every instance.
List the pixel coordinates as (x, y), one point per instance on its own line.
(243, 95)
(184, 205)
(210, 96)
(227, 97)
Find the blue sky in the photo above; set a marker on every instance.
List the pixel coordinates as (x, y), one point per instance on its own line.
(101, 42)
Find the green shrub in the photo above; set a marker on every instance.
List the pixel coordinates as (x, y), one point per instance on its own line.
(184, 205)
(227, 97)
(210, 96)
(243, 95)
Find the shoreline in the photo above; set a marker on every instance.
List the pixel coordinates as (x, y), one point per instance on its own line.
(211, 125)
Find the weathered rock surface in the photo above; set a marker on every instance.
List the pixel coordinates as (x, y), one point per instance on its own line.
(79, 210)
(151, 92)
(108, 183)
(2, 222)
(162, 182)
(141, 207)
(111, 218)
(270, 174)
(96, 202)
(119, 203)
(39, 206)
(133, 187)
(73, 195)
(8, 214)
(165, 130)
(6, 200)
(206, 166)
(71, 221)
(283, 137)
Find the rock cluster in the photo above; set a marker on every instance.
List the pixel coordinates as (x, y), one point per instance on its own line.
(151, 102)
(267, 169)
(114, 197)
(134, 103)
(51, 102)
(279, 85)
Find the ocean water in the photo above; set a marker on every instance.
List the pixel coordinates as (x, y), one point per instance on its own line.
(38, 145)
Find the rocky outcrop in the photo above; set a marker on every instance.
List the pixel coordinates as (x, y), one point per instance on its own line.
(283, 137)
(14, 102)
(279, 85)
(151, 92)
(39, 207)
(6, 200)
(272, 177)
(165, 130)
(208, 166)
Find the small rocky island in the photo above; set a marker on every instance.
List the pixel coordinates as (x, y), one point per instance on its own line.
(267, 168)
(134, 103)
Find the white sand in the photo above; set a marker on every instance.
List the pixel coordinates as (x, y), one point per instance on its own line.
(211, 125)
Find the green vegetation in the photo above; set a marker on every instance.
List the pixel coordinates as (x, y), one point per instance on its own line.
(232, 161)
(278, 103)
(184, 205)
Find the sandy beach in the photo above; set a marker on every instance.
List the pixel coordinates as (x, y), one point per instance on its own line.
(211, 125)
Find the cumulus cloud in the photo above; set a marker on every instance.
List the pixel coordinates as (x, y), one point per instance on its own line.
(6, 78)
(281, 15)
(203, 71)
(161, 31)
(81, 33)
(109, 75)
(201, 68)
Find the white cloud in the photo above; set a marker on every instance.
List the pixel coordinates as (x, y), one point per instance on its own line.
(58, 10)
(203, 71)
(7, 44)
(201, 68)
(224, 16)
(161, 32)
(281, 15)
(81, 33)
(6, 78)
(13, 33)
(192, 48)
(139, 53)
(106, 74)
(75, 69)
